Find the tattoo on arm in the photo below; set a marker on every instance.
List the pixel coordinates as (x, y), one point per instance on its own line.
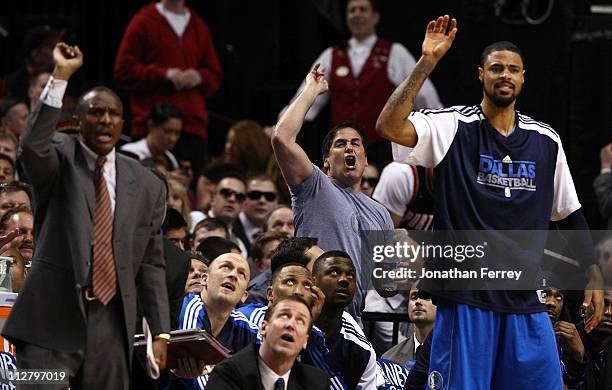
(410, 88)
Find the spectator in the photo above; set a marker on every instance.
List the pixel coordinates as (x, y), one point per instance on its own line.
(603, 184)
(8, 144)
(167, 55)
(247, 147)
(604, 260)
(341, 210)
(205, 187)
(280, 219)
(273, 365)
(422, 313)
(261, 197)
(362, 73)
(369, 180)
(175, 228)
(7, 169)
(599, 349)
(227, 203)
(179, 200)
(36, 85)
(38, 45)
(350, 353)
(197, 270)
(569, 342)
(15, 194)
(164, 126)
(20, 218)
(13, 115)
(263, 247)
(209, 227)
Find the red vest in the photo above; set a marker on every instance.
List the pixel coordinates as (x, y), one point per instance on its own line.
(361, 99)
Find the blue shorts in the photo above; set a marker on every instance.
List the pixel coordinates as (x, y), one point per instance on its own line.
(477, 349)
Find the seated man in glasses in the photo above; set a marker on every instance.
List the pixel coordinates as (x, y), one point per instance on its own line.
(261, 197)
(226, 205)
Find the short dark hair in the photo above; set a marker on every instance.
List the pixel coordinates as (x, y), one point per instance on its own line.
(500, 46)
(329, 137)
(262, 240)
(292, 298)
(216, 171)
(162, 112)
(10, 160)
(211, 224)
(213, 247)
(9, 214)
(373, 3)
(9, 102)
(231, 175)
(319, 261)
(16, 186)
(292, 250)
(260, 177)
(173, 220)
(278, 270)
(197, 255)
(101, 89)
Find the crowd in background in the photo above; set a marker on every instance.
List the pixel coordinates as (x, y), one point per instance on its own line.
(239, 202)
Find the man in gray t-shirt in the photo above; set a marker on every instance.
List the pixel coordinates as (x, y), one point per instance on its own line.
(328, 205)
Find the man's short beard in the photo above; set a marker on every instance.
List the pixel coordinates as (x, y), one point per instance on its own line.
(499, 101)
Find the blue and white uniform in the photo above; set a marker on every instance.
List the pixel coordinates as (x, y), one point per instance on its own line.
(237, 333)
(486, 181)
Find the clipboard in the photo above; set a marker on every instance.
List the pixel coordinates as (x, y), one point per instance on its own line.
(189, 343)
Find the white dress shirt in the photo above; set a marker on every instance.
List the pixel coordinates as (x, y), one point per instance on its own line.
(52, 96)
(269, 377)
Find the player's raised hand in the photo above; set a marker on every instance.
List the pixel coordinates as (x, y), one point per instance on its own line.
(315, 80)
(439, 37)
(68, 59)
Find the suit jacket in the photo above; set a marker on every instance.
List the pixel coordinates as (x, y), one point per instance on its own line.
(50, 311)
(177, 271)
(241, 372)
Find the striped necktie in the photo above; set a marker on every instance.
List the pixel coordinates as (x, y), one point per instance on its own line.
(103, 275)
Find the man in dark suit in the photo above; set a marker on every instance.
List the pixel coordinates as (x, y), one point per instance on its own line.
(99, 247)
(272, 366)
(422, 313)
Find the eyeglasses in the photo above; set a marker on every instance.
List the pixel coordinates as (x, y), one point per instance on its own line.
(256, 195)
(372, 181)
(227, 193)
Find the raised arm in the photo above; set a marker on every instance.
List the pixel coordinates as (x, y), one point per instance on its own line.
(392, 122)
(291, 158)
(36, 153)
